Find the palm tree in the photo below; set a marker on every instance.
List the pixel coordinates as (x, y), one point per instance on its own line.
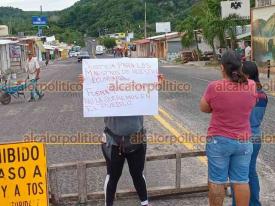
(206, 16)
(188, 26)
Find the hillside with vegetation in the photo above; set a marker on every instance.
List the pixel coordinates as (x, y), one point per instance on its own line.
(94, 17)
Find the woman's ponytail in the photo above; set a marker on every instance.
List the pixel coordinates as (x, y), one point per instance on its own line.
(233, 67)
(238, 77)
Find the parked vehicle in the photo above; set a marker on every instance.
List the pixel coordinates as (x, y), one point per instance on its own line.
(75, 51)
(72, 54)
(99, 50)
(207, 56)
(83, 55)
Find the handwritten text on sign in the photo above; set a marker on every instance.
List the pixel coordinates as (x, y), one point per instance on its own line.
(23, 170)
(120, 87)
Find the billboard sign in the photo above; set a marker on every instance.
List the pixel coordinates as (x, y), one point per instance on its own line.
(15, 51)
(163, 27)
(39, 20)
(240, 8)
(50, 39)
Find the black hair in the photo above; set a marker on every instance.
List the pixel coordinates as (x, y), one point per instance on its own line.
(251, 70)
(233, 67)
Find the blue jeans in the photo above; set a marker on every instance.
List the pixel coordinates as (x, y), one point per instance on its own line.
(253, 176)
(34, 90)
(228, 159)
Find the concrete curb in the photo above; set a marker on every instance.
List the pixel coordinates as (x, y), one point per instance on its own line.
(202, 65)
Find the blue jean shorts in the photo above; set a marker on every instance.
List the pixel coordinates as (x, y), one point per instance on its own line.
(228, 159)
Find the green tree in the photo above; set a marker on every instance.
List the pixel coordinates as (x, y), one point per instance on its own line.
(109, 43)
(206, 15)
(188, 26)
(210, 28)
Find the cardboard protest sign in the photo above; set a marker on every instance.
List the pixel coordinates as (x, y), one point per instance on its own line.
(23, 175)
(120, 87)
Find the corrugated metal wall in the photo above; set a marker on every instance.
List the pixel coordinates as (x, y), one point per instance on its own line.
(4, 57)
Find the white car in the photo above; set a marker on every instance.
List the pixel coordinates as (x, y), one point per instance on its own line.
(72, 54)
(99, 50)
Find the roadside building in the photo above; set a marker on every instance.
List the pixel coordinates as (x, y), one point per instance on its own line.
(142, 48)
(166, 46)
(64, 51)
(11, 55)
(40, 51)
(174, 48)
(169, 47)
(159, 44)
(50, 51)
(35, 44)
(264, 3)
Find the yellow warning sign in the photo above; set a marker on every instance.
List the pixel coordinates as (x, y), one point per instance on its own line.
(23, 174)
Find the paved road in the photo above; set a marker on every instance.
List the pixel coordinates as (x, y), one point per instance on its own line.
(60, 113)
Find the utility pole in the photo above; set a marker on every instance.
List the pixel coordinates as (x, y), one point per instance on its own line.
(145, 20)
(40, 32)
(10, 27)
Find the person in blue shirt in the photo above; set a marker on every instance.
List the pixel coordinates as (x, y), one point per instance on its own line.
(250, 69)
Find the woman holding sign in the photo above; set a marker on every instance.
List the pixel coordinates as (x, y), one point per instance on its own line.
(124, 139)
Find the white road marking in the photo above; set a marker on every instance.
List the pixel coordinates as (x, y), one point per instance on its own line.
(172, 66)
(205, 80)
(13, 112)
(39, 109)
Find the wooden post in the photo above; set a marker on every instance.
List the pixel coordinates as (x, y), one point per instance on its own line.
(54, 190)
(82, 183)
(178, 170)
(82, 196)
(268, 69)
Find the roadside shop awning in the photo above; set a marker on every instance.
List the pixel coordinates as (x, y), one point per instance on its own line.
(40, 46)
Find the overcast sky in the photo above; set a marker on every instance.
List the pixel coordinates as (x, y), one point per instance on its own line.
(34, 5)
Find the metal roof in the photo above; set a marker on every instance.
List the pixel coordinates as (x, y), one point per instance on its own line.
(165, 36)
(142, 41)
(6, 41)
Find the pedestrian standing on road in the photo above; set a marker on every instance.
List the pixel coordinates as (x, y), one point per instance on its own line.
(114, 52)
(247, 51)
(228, 149)
(47, 58)
(124, 138)
(33, 70)
(251, 70)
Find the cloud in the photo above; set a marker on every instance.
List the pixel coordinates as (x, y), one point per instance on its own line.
(34, 5)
